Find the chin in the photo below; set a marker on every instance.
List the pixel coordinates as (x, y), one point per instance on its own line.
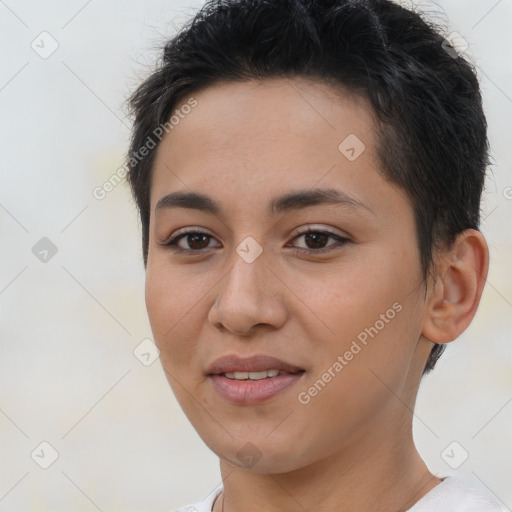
(259, 455)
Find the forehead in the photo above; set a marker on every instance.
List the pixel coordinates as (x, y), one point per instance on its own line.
(255, 138)
(282, 108)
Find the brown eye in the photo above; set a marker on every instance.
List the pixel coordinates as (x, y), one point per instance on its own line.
(316, 240)
(196, 241)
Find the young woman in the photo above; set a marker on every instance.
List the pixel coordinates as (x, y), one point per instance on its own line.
(309, 177)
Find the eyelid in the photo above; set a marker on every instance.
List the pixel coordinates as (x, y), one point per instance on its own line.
(317, 228)
(186, 231)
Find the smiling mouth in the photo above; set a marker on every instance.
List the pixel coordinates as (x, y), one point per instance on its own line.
(264, 374)
(253, 379)
(252, 388)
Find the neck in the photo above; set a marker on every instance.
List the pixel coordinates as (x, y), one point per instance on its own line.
(379, 475)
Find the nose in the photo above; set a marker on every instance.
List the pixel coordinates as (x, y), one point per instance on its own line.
(249, 295)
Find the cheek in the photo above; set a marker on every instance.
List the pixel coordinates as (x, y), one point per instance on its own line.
(372, 301)
(350, 297)
(159, 301)
(170, 306)
(389, 323)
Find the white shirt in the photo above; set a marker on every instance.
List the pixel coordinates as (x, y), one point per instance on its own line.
(452, 494)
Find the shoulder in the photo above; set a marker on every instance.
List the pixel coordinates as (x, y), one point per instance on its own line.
(455, 495)
(205, 505)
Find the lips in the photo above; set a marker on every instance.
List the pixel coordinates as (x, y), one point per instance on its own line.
(256, 363)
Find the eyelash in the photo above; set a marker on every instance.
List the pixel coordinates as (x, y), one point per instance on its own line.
(172, 243)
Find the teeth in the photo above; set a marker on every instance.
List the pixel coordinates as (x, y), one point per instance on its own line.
(252, 375)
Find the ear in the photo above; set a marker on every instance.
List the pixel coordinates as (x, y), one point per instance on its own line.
(454, 298)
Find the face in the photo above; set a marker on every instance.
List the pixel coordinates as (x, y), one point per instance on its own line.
(267, 264)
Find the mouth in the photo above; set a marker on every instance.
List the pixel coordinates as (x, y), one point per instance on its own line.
(241, 368)
(251, 380)
(264, 374)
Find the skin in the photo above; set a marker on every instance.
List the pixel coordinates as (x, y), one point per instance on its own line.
(351, 446)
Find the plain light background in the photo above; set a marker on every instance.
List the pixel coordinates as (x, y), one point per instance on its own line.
(69, 325)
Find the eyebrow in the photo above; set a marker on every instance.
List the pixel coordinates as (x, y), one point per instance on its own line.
(285, 203)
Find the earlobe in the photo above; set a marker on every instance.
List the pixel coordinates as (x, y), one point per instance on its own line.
(454, 299)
